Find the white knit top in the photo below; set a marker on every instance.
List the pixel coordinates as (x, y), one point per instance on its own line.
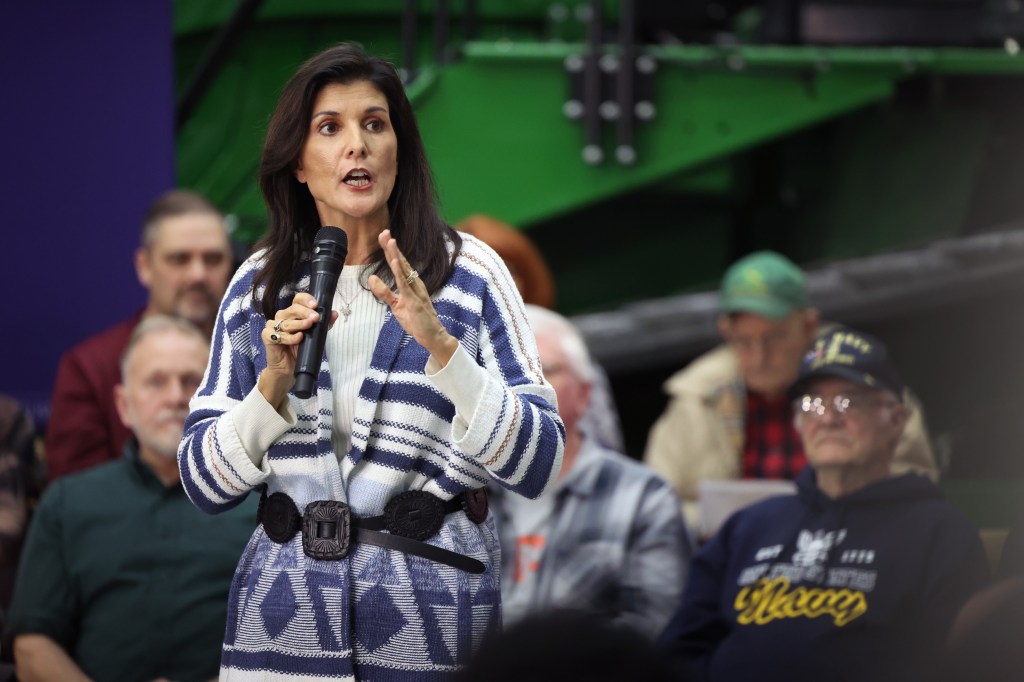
(349, 348)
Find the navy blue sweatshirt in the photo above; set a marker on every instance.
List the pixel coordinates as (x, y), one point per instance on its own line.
(804, 587)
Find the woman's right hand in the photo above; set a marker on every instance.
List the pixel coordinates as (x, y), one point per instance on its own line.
(281, 337)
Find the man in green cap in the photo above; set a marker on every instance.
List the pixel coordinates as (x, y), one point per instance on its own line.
(728, 415)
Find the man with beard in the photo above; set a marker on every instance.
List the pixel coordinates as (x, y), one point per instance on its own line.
(184, 260)
(122, 578)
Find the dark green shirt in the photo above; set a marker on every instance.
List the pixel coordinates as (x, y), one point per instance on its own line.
(128, 576)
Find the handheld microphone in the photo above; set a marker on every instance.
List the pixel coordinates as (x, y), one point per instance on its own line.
(330, 246)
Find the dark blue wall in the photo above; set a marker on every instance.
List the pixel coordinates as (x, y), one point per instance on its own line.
(87, 119)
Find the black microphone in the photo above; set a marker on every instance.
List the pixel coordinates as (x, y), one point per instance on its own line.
(330, 246)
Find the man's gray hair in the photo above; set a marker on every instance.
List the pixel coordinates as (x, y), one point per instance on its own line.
(157, 324)
(544, 321)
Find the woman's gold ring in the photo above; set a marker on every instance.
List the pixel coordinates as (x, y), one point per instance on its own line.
(277, 327)
(411, 277)
(275, 338)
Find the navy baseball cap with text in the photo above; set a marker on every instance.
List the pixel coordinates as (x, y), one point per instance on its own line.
(852, 355)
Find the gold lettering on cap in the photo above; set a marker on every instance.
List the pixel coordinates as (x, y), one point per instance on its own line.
(833, 354)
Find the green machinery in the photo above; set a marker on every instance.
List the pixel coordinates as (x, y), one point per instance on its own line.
(805, 148)
(811, 149)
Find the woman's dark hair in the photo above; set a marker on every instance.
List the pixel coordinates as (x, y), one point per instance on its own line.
(293, 220)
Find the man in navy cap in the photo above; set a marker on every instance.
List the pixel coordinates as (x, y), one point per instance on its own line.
(857, 577)
(728, 416)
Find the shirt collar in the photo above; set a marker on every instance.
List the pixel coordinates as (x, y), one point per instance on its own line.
(582, 478)
(142, 471)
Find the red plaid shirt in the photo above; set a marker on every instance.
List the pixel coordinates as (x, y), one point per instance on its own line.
(772, 448)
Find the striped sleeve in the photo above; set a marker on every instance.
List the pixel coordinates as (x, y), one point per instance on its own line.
(515, 431)
(217, 471)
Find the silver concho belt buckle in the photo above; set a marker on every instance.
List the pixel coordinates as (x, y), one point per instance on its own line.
(326, 530)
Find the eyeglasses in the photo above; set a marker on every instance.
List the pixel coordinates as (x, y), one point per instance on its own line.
(842, 403)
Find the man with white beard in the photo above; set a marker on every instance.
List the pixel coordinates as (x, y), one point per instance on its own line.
(122, 578)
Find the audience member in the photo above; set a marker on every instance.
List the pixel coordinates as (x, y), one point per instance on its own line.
(533, 278)
(122, 578)
(728, 416)
(19, 485)
(983, 644)
(608, 538)
(565, 646)
(857, 577)
(184, 260)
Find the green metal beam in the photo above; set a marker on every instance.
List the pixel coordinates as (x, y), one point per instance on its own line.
(191, 16)
(493, 121)
(896, 60)
(499, 143)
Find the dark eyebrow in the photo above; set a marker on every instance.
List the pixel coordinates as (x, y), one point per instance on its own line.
(369, 110)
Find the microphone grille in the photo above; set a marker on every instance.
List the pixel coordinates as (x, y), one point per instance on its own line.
(331, 234)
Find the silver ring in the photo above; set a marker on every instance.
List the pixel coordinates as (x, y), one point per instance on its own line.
(275, 338)
(277, 327)
(411, 277)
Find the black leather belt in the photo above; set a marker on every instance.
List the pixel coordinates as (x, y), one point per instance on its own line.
(328, 527)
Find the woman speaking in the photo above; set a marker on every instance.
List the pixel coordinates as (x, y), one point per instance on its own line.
(375, 558)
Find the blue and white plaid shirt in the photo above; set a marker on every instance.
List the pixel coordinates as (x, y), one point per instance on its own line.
(609, 538)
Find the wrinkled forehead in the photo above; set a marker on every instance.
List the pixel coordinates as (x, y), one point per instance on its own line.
(190, 232)
(169, 351)
(833, 385)
(830, 385)
(752, 324)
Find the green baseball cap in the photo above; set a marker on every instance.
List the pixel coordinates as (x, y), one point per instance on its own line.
(764, 283)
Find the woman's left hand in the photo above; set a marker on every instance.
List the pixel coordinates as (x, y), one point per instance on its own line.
(411, 306)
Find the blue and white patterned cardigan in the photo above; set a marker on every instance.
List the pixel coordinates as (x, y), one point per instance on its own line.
(377, 614)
